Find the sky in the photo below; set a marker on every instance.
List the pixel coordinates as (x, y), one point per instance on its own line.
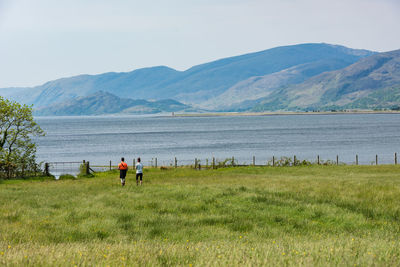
(43, 40)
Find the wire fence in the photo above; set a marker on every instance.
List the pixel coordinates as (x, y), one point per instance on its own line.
(84, 167)
(213, 162)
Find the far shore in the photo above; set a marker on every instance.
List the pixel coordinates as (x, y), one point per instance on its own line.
(229, 114)
(225, 114)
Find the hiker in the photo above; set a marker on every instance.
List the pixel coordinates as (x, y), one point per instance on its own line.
(123, 168)
(139, 172)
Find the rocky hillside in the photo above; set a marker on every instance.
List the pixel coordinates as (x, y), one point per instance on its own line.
(372, 82)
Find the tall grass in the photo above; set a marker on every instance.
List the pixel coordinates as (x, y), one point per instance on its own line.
(314, 215)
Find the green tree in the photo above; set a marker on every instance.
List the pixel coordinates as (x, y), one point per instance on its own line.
(17, 150)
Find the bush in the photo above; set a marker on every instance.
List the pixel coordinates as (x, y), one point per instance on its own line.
(288, 161)
(82, 172)
(225, 163)
(67, 177)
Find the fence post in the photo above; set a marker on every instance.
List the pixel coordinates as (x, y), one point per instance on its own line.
(395, 158)
(207, 164)
(46, 169)
(273, 161)
(356, 159)
(156, 162)
(110, 165)
(213, 163)
(176, 163)
(337, 159)
(294, 160)
(87, 168)
(195, 163)
(376, 159)
(233, 161)
(133, 163)
(318, 162)
(254, 160)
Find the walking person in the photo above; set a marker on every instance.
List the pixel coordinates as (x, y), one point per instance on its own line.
(139, 172)
(123, 169)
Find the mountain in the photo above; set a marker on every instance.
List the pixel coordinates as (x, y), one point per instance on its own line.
(372, 82)
(201, 83)
(106, 103)
(131, 84)
(258, 87)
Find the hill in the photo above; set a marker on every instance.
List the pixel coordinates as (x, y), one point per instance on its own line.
(106, 103)
(197, 84)
(372, 82)
(245, 92)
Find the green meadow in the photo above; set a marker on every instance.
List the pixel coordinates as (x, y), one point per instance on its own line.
(313, 215)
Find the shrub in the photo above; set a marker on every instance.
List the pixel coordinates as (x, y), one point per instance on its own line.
(67, 177)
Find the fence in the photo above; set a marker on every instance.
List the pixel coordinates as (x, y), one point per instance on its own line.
(74, 168)
(214, 162)
(60, 168)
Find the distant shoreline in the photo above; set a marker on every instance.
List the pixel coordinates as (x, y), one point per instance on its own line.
(232, 114)
(219, 114)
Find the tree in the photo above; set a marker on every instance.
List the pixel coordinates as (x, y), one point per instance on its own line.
(17, 127)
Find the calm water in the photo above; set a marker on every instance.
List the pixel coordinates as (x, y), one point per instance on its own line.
(101, 139)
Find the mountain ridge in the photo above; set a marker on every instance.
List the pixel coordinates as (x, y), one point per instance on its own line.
(195, 85)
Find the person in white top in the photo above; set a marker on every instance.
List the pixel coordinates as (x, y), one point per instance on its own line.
(139, 172)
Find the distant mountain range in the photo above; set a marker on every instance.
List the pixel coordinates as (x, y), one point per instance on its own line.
(298, 77)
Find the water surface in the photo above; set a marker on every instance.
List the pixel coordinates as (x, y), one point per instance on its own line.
(101, 139)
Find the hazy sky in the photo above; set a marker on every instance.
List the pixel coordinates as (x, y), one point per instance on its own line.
(42, 40)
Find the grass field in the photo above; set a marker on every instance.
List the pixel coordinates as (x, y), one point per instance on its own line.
(315, 215)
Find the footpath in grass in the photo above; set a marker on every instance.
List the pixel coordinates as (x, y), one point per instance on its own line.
(314, 215)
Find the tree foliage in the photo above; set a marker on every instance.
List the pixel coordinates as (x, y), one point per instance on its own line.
(17, 149)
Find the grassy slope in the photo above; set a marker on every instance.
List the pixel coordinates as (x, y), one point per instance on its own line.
(317, 215)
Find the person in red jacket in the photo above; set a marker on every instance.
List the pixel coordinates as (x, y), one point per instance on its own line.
(123, 168)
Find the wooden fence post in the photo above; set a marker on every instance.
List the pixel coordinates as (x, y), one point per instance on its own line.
(376, 159)
(233, 161)
(176, 163)
(395, 158)
(156, 162)
(273, 161)
(110, 165)
(254, 160)
(337, 159)
(318, 160)
(195, 163)
(356, 159)
(213, 163)
(133, 163)
(46, 169)
(87, 168)
(207, 164)
(294, 160)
